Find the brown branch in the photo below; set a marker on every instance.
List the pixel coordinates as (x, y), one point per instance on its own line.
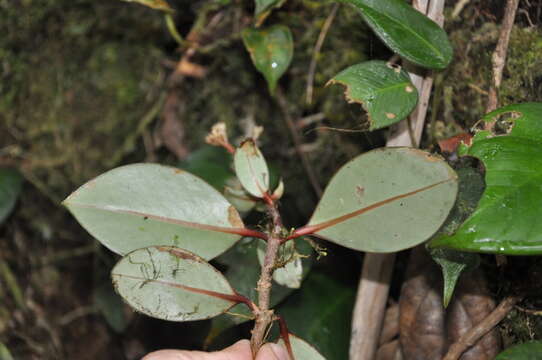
(284, 107)
(316, 51)
(499, 56)
(474, 334)
(265, 316)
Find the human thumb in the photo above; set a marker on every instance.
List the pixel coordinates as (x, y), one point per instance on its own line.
(271, 351)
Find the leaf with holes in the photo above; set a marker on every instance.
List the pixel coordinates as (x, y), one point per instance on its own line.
(264, 8)
(10, 187)
(385, 92)
(406, 31)
(271, 50)
(141, 205)
(301, 349)
(154, 4)
(506, 220)
(385, 200)
(251, 168)
(172, 284)
(527, 351)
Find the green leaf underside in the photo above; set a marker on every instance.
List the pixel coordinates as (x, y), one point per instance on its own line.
(10, 187)
(172, 284)
(385, 200)
(301, 349)
(407, 32)
(111, 306)
(386, 93)
(154, 4)
(527, 351)
(506, 220)
(263, 9)
(141, 205)
(453, 263)
(271, 51)
(251, 169)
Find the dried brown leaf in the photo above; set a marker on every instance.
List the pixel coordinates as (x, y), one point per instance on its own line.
(422, 327)
(471, 304)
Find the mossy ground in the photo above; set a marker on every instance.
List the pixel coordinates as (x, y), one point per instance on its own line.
(79, 84)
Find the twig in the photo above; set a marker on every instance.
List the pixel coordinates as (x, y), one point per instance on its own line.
(499, 56)
(316, 51)
(283, 104)
(377, 269)
(475, 333)
(264, 315)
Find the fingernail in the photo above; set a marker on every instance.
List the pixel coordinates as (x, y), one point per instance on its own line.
(279, 351)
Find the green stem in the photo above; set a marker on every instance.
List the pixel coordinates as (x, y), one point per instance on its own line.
(170, 23)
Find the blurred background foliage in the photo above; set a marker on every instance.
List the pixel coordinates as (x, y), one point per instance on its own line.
(85, 86)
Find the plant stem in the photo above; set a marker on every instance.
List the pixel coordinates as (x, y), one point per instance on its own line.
(264, 315)
(170, 23)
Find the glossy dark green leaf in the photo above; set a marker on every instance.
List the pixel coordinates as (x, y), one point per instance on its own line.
(10, 187)
(301, 349)
(406, 31)
(154, 4)
(271, 50)
(251, 169)
(385, 200)
(506, 220)
(141, 205)
(320, 312)
(453, 263)
(385, 92)
(527, 351)
(264, 8)
(172, 284)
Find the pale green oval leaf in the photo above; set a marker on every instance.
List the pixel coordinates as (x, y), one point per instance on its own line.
(141, 205)
(301, 349)
(172, 284)
(264, 8)
(407, 32)
(385, 92)
(251, 168)
(385, 200)
(154, 4)
(507, 218)
(271, 51)
(10, 187)
(527, 351)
